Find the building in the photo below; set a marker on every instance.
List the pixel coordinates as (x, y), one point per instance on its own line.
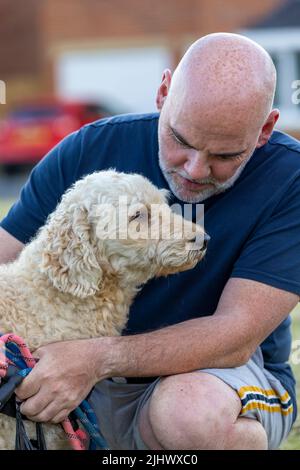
(279, 34)
(115, 50)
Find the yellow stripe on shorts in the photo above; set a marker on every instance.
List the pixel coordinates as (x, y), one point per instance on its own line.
(265, 403)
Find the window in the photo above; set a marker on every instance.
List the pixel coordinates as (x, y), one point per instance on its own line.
(283, 45)
(297, 77)
(276, 97)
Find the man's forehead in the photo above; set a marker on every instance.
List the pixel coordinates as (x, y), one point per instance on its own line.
(230, 113)
(196, 134)
(228, 120)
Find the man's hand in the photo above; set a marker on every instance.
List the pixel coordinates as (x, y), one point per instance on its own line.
(247, 313)
(62, 378)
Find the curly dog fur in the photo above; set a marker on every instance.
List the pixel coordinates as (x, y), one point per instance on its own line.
(74, 281)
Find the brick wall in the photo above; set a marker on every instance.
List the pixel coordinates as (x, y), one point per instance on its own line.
(75, 19)
(20, 48)
(28, 28)
(31, 29)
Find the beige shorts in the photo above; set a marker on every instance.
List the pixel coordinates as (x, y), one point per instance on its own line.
(117, 405)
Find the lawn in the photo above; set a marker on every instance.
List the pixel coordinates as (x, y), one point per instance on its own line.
(4, 206)
(293, 442)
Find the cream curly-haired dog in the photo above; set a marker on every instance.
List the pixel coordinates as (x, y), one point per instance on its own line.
(75, 279)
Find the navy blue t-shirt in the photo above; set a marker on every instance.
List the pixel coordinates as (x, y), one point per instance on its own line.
(254, 226)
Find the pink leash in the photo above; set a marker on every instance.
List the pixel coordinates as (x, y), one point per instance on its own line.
(77, 438)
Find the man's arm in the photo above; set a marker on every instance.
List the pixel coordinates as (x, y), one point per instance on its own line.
(247, 313)
(10, 247)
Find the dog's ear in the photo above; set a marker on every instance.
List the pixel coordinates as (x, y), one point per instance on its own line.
(68, 257)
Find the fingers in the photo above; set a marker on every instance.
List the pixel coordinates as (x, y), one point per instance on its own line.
(49, 415)
(56, 385)
(61, 416)
(34, 408)
(44, 410)
(48, 407)
(29, 387)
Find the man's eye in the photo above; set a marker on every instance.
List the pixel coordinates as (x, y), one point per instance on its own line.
(182, 144)
(228, 157)
(175, 138)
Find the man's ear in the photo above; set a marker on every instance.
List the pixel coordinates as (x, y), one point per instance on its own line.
(267, 128)
(164, 88)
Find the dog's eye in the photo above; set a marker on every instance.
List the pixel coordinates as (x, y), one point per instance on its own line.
(135, 216)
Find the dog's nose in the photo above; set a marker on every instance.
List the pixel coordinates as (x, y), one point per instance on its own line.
(205, 241)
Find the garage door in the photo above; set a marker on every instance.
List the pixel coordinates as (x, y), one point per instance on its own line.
(125, 79)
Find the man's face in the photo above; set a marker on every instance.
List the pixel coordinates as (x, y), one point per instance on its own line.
(199, 159)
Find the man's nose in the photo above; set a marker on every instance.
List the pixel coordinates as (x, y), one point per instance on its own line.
(197, 167)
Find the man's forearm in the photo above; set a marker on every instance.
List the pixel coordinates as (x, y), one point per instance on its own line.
(195, 344)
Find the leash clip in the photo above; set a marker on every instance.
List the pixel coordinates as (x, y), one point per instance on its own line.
(12, 381)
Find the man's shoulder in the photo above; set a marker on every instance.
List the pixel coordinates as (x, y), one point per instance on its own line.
(123, 120)
(282, 153)
(102, 139)
(284, 142)
(114, 142)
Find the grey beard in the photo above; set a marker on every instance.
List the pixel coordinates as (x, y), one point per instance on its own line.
(205, 193)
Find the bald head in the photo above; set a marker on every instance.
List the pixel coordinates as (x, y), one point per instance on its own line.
(215, 112)
(227, 75)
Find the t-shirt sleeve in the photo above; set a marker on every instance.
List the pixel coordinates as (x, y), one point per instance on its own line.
(272, 253)
(43, 189)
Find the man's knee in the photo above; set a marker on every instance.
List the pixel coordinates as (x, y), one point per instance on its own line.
(192, 411)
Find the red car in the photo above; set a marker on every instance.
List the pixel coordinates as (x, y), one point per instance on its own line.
(31, 130)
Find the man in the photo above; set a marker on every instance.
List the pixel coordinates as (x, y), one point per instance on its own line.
(203, 369)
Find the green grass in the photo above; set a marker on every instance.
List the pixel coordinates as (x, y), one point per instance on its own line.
(4, 207)
(293, 442)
